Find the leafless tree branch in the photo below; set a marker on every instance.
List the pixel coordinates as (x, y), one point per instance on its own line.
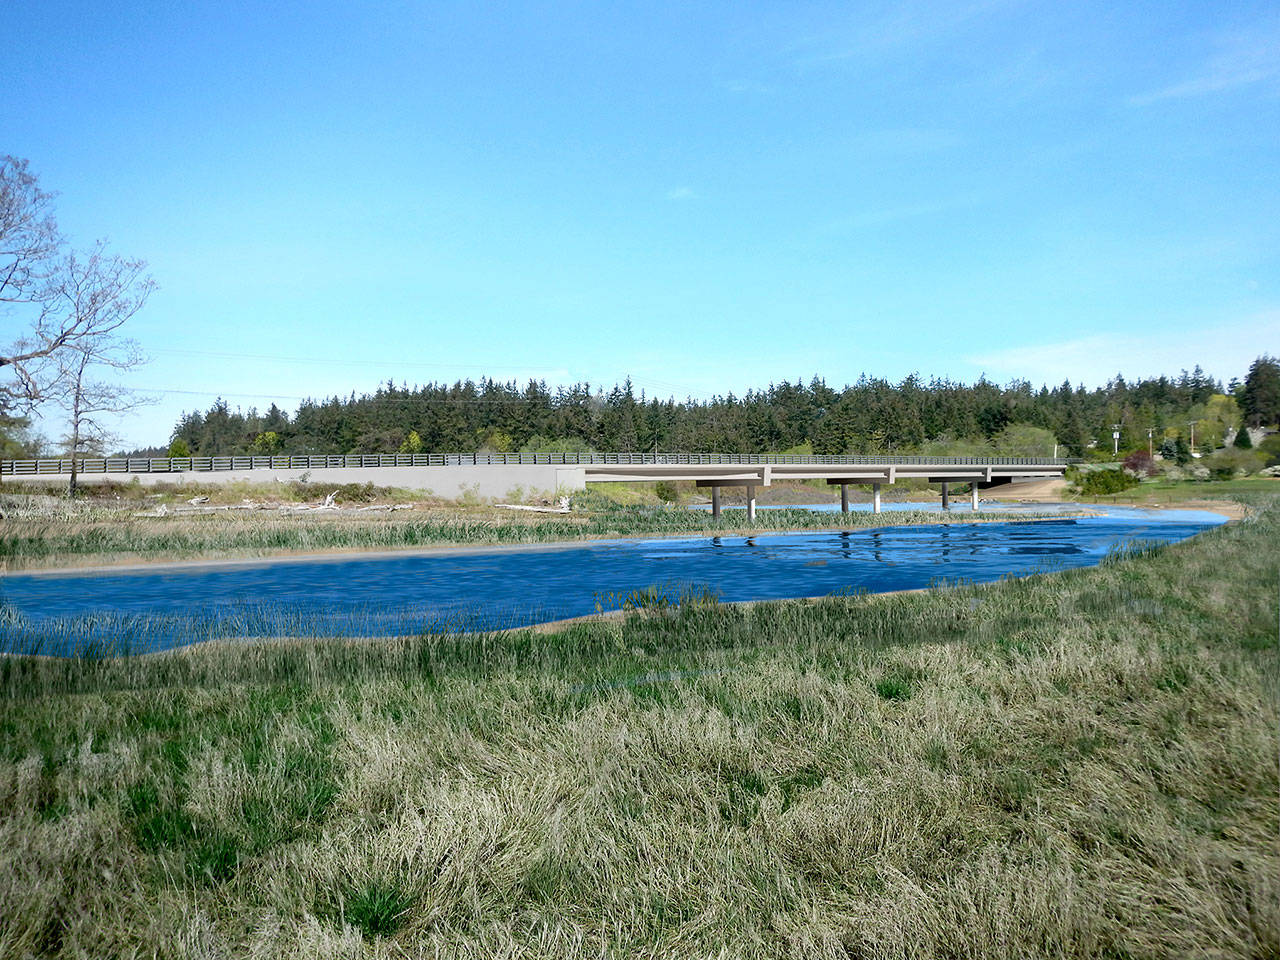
(72, 304)
(96, 293)
(29, 236)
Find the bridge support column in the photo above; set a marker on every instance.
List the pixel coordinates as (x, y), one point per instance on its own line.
(751, 503)
(946, 495)
(715, 503)
(875, 498)
(844, 498)
(975, 494)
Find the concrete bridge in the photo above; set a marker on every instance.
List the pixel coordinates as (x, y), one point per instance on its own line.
(500, 475)
(978, 474)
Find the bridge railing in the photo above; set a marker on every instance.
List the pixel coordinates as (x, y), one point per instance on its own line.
(90, 465)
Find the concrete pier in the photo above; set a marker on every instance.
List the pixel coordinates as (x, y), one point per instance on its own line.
(974, 493)
(946, 495)
(844, 498)
(715, 502)
(751, 503)
(875, 498)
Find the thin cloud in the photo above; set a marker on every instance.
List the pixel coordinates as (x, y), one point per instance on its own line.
(1224, 351)
(910, 211)
(906, 25)
(683, 193)
(744, 86)
(1243, 60)
(906, 140)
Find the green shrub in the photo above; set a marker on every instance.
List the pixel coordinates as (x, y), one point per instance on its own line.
(493, 440)
(1243, 441)
(267, 443)
(1269, 448)
(541, 444)
(667, 491)
(1024, 440)
(1106, 481)
(356, 493)
(1230, 462)
(179, 449)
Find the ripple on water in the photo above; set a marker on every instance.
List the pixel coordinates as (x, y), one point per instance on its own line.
(160, 607)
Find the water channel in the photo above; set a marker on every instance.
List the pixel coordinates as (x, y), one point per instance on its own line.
(156, 607)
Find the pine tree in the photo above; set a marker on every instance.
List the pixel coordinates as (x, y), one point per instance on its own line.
(1260, 397)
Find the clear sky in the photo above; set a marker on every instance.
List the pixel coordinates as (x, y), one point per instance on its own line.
(706, 197)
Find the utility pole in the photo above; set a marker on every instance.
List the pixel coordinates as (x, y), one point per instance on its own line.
(1192, 425)
(1115, 440)
(1151, 448)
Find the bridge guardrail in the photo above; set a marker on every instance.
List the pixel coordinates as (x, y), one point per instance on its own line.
(90, 465)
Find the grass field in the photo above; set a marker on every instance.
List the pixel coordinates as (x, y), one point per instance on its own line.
(1162, 492)
(1077, 765)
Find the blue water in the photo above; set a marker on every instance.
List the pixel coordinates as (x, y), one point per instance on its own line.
(147, 609)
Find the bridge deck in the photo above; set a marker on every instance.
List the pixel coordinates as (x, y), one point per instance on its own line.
(512, 476)
(368, 461)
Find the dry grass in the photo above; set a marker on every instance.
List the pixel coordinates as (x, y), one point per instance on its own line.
(1078, 765)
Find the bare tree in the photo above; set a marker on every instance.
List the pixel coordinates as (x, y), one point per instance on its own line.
(51, 293)
(28, 233)
(96, 293)
(29, 244)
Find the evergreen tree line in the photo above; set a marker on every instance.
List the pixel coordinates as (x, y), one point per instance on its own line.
(869, 416)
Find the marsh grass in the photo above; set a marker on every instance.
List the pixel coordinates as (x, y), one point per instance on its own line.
(659, 596)
(106, 494)
(1081, 764)
(112, 634)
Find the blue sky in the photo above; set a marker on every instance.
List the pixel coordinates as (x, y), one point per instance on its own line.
(706, 197)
